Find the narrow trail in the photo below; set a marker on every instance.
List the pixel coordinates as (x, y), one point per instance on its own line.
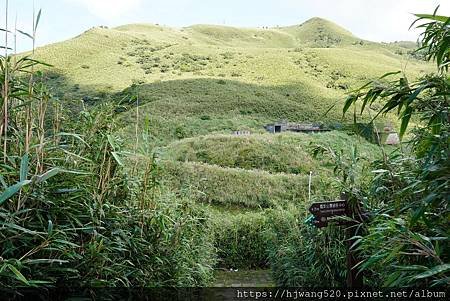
(243, 278)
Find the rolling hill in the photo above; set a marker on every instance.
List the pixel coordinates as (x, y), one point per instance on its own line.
(306, 67)
(206, 81)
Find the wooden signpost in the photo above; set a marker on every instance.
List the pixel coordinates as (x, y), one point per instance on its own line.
(326, 213)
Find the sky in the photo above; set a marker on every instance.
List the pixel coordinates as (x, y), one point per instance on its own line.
(375, 20)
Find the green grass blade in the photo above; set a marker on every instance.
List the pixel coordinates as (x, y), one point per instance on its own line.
(47, 175)
(24, 164)
(12, 190)
(18, 274)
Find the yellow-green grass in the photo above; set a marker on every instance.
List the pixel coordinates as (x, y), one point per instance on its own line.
(287, 152)
(282, 66)
(235, 186)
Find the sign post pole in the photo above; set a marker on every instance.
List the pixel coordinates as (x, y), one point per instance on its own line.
(324, 214)
(354, 279)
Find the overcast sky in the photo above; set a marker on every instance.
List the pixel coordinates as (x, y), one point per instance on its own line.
(376, 20)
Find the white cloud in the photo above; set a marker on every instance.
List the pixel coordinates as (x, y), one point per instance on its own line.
(109, 9)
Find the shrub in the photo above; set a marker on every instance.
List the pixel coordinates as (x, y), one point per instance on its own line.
(298, 255)
(405, 243)
(308, 257)
(240, 239)
(237, 187)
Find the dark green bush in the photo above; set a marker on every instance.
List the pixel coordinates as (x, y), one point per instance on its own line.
(301, 255)
(241, 240)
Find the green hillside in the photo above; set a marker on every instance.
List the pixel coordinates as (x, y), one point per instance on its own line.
(203, 79)
(318, 32)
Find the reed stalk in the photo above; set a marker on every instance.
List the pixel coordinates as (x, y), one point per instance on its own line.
(6, 88)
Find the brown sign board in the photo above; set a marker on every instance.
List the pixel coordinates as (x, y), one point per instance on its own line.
(334, 208)
(325, 213)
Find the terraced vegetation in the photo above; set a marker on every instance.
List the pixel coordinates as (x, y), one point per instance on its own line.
(181, 92)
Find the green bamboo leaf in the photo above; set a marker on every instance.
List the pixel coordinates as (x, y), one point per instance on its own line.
(406, 116)
(76, 136)
(24, 167)
(19, 228)
(18, 274)
(117, 158)
(76, 172)
(37, 19)
(111, 142)
(25, 34)
(47, 175)
(12, 190)
(415, 268)
(442, 19)
(434, 271)
(392, 277)
(443, 50)
(416, 93)
(38, 62)
(348, 102)
(390, 73)
(2, 181)
(43, 260)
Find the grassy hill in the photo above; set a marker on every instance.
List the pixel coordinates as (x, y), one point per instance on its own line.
(317, 32)
(304, 67)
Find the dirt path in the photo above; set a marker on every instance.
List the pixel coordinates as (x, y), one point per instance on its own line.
(243, 278)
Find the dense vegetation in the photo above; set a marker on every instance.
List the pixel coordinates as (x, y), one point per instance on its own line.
(73, 212)
(141, 183)
(407, 242)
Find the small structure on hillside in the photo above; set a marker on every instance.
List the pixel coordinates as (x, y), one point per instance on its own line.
(388, 135)
(379, 134)
(392, 139)
(242, 133)
(284, 126)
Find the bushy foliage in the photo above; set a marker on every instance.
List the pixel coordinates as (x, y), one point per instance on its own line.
(253, 189)
(298, 254)
(407, 241)
(281, 153)
(241, 239)
(308, 257)
(73, 209)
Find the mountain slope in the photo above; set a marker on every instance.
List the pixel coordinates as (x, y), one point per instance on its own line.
(317, 32)
(207, 78)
